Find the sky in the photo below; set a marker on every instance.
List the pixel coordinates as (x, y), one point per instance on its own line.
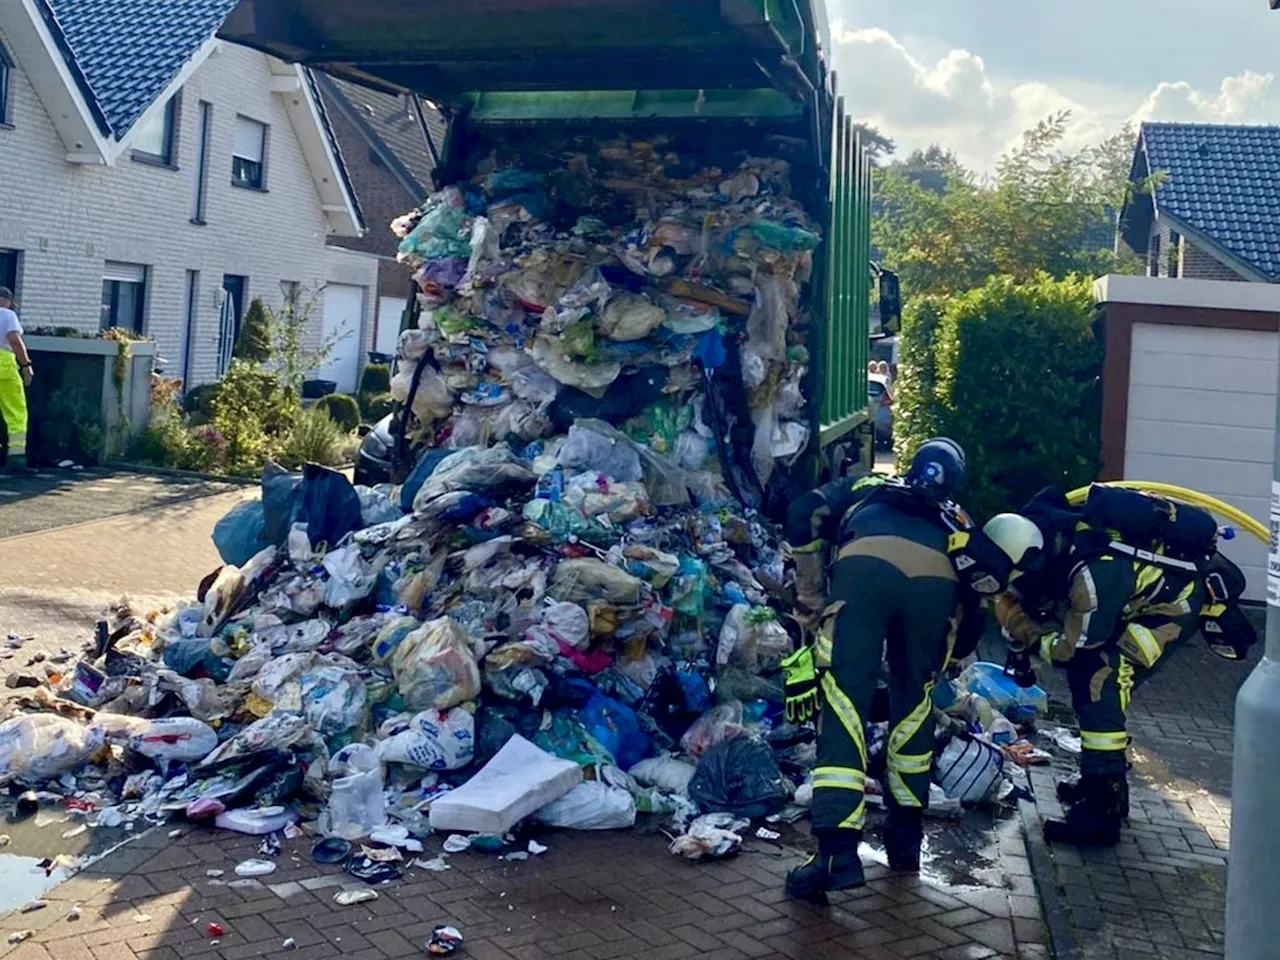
(972, 74)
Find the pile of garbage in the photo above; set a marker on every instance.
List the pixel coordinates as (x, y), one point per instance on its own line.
(619, 280)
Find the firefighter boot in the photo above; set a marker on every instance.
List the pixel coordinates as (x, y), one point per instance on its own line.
(903, 836)
(1070, 791)
(835, 867)
(1094, 819)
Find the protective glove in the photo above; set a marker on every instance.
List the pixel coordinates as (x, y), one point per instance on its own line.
(800, 686)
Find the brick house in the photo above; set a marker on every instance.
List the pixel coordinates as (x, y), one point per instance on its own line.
(159, 179)
(389, 145)
(1214, 212)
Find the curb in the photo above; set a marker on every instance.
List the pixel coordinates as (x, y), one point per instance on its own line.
(1057, 915)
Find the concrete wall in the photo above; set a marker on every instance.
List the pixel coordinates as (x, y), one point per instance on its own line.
(68, 219)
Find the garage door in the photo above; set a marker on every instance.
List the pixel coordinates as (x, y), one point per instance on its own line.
(343, 324)
(390, 311)
(1202, 413)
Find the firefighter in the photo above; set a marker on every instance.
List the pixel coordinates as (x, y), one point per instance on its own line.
(894, 595)
(1111, 617)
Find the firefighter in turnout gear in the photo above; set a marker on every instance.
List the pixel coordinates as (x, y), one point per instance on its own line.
(1111, 600)
(895, 595)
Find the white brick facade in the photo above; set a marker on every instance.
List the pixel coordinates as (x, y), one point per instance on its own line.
(68, 219)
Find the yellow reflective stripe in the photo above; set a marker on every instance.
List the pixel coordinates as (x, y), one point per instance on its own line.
(813, 547)
(1148, 576)
(957, 541)
(843, 708)
(1112, 740)
(1146, 641)
(901, 792)
(856, 820)
(1124, 680)
(910, 725)
(839, 778)
(822, 650)
(1213, 610)
(1185, 595)
(910, 763)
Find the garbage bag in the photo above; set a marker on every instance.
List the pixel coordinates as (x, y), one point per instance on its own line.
(280, 490)
(590, 806)
(329, 505)
(740, 777)
(42, 746)
(565, 623)
(194, 658)
(989, 680)
(432, 740)
(434, 666)
(425, 466)
(614, 726)
(240, 533)
(630, 317)
(587, 578)
(333, 697)
(350, 578)
(276, 732)
(442, 231)
(475, 469)
(668, 774)
(182, 739)
(752, 639)
(588, 449)
(390, 637)
(376, 507)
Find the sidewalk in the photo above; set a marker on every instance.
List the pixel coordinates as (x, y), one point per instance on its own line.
(1162, 891)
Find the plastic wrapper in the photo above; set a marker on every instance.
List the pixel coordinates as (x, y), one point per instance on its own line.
(442, 231)
(556, 358)
(434, 666)
(718, 725)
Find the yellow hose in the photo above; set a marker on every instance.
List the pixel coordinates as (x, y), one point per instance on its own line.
(1234, 515)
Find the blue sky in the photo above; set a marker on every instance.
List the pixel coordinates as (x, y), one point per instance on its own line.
(972, 73)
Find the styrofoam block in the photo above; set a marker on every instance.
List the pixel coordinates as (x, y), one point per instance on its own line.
(519, 779)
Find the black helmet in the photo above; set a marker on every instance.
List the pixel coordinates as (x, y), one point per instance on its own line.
(938, 468)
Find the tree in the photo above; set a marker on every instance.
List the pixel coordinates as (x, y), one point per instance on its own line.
(254, 342)
(944, 229)
(877, 145)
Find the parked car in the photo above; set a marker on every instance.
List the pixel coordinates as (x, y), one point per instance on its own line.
(373, 463)
(880, 397)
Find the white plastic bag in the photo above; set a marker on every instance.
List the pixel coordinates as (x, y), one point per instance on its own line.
(434, 666)
(587, 449)
(590, 806)
(668, 774)
(433, 740)
(42, 746)
(181, 739)
(350, 578)
(561, 623)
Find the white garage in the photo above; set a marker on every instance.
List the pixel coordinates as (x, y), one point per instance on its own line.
(343, 325)
(1199, 405)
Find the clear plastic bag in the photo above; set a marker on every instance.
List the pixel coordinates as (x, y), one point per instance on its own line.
(434, 666)
(356, 805)
(717, 725)
(42, 746)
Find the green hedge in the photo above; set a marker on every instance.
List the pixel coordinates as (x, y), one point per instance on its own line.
(1012, 372)
(376, 378)
(342, 409)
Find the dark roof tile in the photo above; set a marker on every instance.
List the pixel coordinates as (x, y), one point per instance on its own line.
(1223, 181)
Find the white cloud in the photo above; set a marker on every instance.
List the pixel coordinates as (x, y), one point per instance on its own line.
(956, 101)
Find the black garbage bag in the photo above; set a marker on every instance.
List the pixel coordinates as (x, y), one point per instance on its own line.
(739, 777)
(321, 498)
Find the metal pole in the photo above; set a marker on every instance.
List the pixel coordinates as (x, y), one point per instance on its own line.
(1253, 873)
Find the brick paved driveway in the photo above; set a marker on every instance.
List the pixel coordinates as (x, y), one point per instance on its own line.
(1162, 892)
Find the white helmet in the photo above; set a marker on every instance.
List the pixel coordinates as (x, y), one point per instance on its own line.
(1017, 536)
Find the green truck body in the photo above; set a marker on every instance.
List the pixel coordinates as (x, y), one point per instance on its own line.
(755, 64)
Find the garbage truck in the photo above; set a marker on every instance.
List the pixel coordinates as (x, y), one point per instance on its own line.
(693, 75)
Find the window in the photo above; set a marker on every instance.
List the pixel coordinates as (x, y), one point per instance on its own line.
(203, 125)
(156, 140)
(124, 296)
(1153, 257)
(6, 65)
(1175, 253)
(9, 269)
(248, 160)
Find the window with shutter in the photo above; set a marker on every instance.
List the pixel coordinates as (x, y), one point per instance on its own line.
(249, 154)
(124, 295)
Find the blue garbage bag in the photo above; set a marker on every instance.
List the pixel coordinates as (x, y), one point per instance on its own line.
(280, 490)
(616, 727)
(424, 468)
(329, 505)
(191, 657)
(240, 534)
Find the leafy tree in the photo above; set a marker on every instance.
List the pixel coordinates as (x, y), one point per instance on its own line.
(877, 145)
(944, 229)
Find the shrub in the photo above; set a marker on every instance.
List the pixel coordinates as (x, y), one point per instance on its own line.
(375, 379)
(315, 438)
(198, 401)
(375, 406)
(254, 413)
(254, 342)
(342, 409)
(914, 392)
(1015, 380)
